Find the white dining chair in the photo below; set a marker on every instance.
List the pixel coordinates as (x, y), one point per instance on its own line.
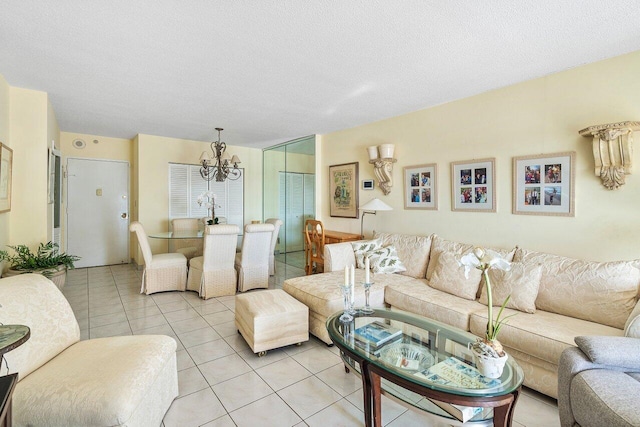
(162, 272)
(252, 263)
(214, 274)
(188, 247)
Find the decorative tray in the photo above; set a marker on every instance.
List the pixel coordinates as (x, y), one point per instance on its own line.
(408, 357)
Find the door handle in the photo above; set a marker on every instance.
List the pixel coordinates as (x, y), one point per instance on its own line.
(123, 215)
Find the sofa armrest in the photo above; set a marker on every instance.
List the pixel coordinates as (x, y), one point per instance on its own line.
(572, 362)
(337, 256)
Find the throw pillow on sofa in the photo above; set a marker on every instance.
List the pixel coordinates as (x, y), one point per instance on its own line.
(448, 276)
(440, 245)
(362, 248)
(521, 282)
(385, 260)
(412, 250)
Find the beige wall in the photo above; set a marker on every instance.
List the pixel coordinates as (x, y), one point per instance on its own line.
(29, 134)
(105, 148)
(153, 154)
(538, 116)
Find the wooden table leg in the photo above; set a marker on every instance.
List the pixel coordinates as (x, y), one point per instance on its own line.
(503, 415)
(366, 394)
(376, 398)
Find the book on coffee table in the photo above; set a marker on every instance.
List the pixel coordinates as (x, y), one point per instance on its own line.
(376, 334)
(462, 413)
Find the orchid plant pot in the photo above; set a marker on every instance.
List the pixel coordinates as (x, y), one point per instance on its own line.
(489, 366)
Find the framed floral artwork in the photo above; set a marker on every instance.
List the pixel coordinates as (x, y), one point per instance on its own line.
(420, 187)
(544, 184)
(343, 187)
(473, 185)
(6, 165)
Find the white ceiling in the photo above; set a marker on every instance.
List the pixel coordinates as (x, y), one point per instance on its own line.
(273, 70)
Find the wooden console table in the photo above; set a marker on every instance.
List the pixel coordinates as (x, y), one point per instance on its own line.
(331, 236)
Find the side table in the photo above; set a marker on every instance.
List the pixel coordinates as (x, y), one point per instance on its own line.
(7, 384)
(11, 336)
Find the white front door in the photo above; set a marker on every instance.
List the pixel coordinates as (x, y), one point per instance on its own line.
(98, 211)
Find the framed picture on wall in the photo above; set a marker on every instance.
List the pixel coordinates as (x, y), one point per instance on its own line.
(473, 185)
(343, 187)
(544, 184)
(420, 187)
(6, 165)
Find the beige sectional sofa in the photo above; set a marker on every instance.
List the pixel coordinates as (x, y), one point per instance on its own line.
(570, 297)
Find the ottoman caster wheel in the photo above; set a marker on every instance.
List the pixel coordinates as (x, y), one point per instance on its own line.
(299, 344)
(261, 353)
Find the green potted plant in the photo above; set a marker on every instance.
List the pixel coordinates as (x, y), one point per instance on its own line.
(488, 353)
(47, 261)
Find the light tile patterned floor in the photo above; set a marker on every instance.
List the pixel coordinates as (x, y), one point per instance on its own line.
(221, 382)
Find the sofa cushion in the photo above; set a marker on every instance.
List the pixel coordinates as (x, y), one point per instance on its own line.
(521, 282)
(39, 304)
(363, 247)
(386, 261)
(448, 276)
(417, 297)
(543, 335)
(321, 292)
(412, 250)
(459, 249)
(601, 292)
(95, 382)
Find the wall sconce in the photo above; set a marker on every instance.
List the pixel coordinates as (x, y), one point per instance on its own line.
(612, 151)
(381, 157)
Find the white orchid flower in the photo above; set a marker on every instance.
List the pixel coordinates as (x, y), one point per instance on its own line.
(469, 261)
(484, 260)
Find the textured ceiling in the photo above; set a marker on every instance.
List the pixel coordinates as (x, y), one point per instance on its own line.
(273, 70)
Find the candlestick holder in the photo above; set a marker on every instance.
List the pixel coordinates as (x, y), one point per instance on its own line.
(367, 290)
(352, 299)
(346, 299)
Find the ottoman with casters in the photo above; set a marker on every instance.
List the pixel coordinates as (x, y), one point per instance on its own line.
(271, 319)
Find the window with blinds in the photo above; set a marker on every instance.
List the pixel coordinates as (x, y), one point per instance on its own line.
(186, 184)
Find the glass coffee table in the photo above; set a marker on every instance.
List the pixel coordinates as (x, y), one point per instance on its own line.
(424, 364)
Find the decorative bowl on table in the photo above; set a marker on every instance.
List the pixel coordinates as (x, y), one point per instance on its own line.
(408, 357)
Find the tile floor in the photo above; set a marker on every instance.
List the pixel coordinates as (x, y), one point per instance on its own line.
(221, 382)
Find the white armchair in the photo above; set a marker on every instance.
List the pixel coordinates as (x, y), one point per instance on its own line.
(214, 274)
(252, 263)
(62, 381)
(188, 247)
(162, 272)
(274, 241)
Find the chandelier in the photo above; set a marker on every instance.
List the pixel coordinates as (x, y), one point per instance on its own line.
(221, 165)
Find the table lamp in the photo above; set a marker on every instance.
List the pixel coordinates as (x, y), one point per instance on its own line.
(370, 208)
